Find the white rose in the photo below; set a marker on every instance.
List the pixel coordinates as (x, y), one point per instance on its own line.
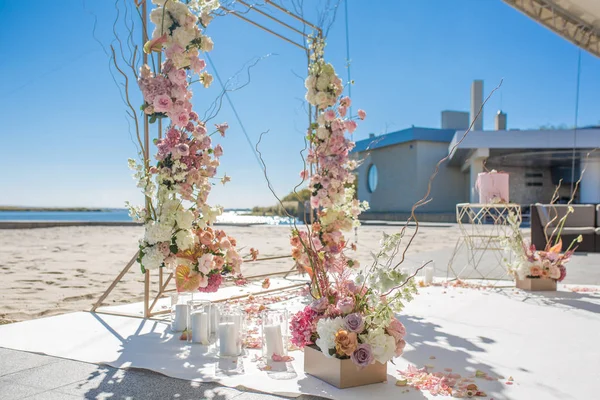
(382, 345)
(184, 240)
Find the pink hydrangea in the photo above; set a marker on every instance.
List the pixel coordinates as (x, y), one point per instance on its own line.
(303, 326)
(214, 282)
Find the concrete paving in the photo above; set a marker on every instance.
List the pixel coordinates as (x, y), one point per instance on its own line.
(37, 377)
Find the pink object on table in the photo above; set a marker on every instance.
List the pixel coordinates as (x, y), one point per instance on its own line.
(492, 187)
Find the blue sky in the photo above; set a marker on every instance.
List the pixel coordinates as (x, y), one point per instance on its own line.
(65, 138)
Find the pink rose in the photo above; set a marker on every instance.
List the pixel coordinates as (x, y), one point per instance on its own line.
(346, 305)
(350, 126)
(182, 118)
(400, 345)
(198, 65)
(329, 115)
(396, 329)
(206, 264)
(219, 262)
(222, 128)
(362, 114)
(183, 149)
(225, 244)
(345, 101)
(162, 103)
(206, 238)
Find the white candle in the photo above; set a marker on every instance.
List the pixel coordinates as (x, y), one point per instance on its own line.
(181, 316)
(228, 339)
(274, 340)
(428, 275)
(200, 328)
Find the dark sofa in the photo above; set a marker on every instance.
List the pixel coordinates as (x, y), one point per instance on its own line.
(583, 221)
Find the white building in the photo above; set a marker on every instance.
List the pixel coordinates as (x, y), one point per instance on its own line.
(396, 167)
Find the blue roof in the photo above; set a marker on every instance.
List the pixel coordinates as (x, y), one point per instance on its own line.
(403, 136)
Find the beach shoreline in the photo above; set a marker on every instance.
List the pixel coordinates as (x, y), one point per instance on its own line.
(57, 270)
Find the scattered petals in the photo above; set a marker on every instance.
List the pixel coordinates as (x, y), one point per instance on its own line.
(266, 283)
(278, 358)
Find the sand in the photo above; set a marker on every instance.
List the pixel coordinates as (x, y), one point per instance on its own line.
(52, 271)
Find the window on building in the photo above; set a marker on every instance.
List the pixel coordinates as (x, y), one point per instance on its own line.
(372, 178)
(534, 175)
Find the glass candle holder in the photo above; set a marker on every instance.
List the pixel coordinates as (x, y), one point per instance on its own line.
(180, 311)
(274, 333)
(215, 311)
(230, 332)
(199, 321)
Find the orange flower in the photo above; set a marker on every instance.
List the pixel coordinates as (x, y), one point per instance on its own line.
(535, 270)
(186, 280)
(345, 343)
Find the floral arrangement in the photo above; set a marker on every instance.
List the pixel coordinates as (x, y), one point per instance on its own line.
(331, 187)
(201, 267)
(535, 264)
(177, 218)
(353, 313)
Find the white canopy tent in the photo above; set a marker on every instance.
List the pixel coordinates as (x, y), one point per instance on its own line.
(576, 20)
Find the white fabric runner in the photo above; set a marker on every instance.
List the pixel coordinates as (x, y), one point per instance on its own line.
(546, 342)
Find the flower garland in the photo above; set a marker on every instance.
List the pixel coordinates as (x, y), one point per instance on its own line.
(331, 185)
(347, 319)
(177, 221)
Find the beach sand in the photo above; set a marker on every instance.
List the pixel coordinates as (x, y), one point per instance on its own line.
(52, 271)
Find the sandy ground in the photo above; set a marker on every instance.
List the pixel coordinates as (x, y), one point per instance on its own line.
(51, 271)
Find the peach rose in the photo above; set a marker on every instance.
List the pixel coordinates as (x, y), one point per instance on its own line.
(535, 270)
(345, 343)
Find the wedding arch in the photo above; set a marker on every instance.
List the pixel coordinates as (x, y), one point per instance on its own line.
(164, 279)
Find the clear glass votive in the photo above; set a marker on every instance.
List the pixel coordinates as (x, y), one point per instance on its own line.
(274, 333)
(199, 321)
(230, 332)
(180, 311)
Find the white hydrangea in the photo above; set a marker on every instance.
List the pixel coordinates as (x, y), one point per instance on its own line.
(152, 258)
(184, 240)
(382, 345)
(184, 219)
(157, 232)
(326, 329)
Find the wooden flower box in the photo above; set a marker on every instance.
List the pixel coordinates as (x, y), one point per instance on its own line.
(536, 285)
(341, 373)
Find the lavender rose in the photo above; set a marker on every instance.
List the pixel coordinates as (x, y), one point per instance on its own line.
(354, 322)
(346, 305)
(363, 355)
(320, 305)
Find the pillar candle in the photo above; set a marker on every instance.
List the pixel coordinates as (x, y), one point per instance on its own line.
(200, 327)
(214, 319)
(428, 275)
(273, 340)
(181, 316)
(228, 339)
